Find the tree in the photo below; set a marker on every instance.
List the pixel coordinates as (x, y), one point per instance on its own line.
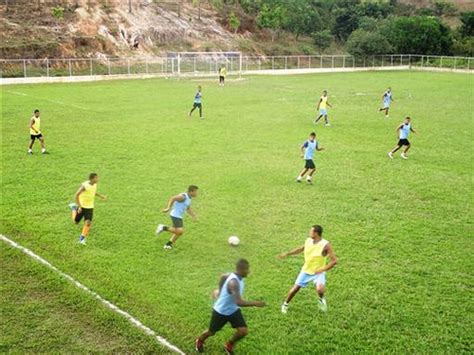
(467, 24)
(234, 22)
(362, 43)
(323, 39)
(441, 7)
(271, 18)
(346, 21)
(301, 18)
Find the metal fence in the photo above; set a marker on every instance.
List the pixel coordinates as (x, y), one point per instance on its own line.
(203, 65)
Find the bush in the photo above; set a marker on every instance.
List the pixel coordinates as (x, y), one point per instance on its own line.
(467, 26)
(363, 43)
(234, 22)
(306, 49)
(323, 39)
(57, 12)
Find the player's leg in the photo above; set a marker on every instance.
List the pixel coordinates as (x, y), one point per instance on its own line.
(404, 154)
(85, 231)
(386, 111)
(30, 146)
(302, 173)
(397, 147)
(241, 330)
(200, 110)
(43, 147)
(293, 291)
(74, 212)
(192, 110)
(216, 324)
(320, 285)
(318, 118)
(309, 178)
(326, 120)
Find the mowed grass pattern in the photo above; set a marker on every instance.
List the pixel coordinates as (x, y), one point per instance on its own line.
(402, 229)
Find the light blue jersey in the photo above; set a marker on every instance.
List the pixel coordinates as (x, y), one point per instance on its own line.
(310, 148)
(405, 130)
(179, 208)
(225, 303)
(197, 98)
(387, 98)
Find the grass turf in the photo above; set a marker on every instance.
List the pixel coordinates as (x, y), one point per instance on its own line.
(402, 229)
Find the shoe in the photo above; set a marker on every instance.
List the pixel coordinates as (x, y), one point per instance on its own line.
(83, 241)
(72, 206)
(309, 182)
(316, 122)
(229, 349)
(327, 124)
(322, 304)
(386, 116)
(404, 156)
(168, 247)
(45, 152)
(160, 229)
(29, 153)
(199, 345)
(298, 180)
(284, 308)
(390, 155)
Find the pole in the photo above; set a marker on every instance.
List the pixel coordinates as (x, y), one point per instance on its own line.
(298, 62)
(321, 61)
(24, 68)
(70, 68)
(309, 62)
(286, 62)
(108, 65)
(128, 66)
(146, 65)
(90, 65)
(441, 62)
(47, 67)
(455, 62)
(344, 61)
(332, 63)
(273, 62)
(240, 65)
(179, 64)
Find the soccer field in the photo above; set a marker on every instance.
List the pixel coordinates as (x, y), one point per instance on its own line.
(402, 229)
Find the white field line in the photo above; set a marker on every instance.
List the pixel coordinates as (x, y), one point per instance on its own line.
(53, 101)
(108, 304)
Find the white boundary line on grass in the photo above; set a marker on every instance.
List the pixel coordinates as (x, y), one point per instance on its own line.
(40, 98)
(110, 305)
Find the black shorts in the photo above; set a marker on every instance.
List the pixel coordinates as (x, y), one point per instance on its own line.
(86, 213)
(218, 320)
(309, 164)
(197, 105)
(403, 142)
(177, 222)
(36, 136)
(221, 78)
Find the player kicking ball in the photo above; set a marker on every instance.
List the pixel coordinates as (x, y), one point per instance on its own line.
(307, 153)
(84, 205)
(226, 308)
(179, 205)
(197, 102)
(403, 132)
(35, 133)
(387, 99)
(316, 252)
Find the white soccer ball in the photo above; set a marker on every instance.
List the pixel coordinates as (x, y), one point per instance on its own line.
(234, 240)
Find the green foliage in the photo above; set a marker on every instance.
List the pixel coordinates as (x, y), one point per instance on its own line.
(271, 17)
(368, 23)
(57, 12)
(364, 43)
(323, 39)
(234, 22)
(467, 24)
(346, 21)
(444, 8)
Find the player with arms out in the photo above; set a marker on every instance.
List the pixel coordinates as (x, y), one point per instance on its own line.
(316, 252)
(197, 102)
(227, 308)
(307, 153)
(403, 132)
(222, 75)
(35, 133)
(179, 205)
(84, 205)
(387, 99)
(322, 108)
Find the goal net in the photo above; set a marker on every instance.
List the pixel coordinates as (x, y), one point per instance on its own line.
(203, 63)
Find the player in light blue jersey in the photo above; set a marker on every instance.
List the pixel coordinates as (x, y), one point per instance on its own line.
(403, 131)
(387, 99)
(197, 102)
(179, 205)
(227, 308)
(308, 149)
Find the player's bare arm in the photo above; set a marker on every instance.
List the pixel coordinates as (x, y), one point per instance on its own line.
(32, 123)
(302, 151)
(76, 196)
(233, 288)
(332, 259)
(295, 251)
(411, 129)
(319, 103)
(103, 197)
(179, 198)
(191, 212)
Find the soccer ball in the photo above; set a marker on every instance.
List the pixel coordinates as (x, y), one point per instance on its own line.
(234, 240)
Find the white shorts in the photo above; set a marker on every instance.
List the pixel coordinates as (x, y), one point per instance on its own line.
(304, 279)
(323, 112)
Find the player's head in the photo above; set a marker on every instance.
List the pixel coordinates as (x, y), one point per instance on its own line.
(316, 231)
(199, 88)
(312, 136)
(93, 178)
(325, 92)
(389, 89)
(407, 119)
(242, 267)
(193, 190)
(37, 113)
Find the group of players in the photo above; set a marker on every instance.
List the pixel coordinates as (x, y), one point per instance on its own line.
(319, 256)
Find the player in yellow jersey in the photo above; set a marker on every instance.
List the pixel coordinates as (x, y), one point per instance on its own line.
(316, 253)
(222, 75)
(322, 107)
(35, 133)
(84, 205)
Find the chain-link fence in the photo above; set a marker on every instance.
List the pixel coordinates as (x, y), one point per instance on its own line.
(203, 65)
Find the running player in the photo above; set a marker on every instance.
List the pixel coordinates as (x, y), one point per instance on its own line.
(322, 107)
(403, 132)
(222, 75)
(307, 153)
(35, 133)
(387, 100)
(227, 308)
(84, 205)
(316, 252)
(178, 205)
(197, 102)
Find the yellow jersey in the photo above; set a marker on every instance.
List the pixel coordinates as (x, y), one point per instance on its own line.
(86, 198)
(36, 125)
(223, 72)
(324, 100)
(313, 255)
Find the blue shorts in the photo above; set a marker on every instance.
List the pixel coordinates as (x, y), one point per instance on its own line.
(323, 112)
(386, 105)
(304, 279)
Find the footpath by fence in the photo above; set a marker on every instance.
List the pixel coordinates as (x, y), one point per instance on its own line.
(203, 64)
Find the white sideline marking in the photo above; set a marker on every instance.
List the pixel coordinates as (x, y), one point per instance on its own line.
(110, 305)
(53, 101)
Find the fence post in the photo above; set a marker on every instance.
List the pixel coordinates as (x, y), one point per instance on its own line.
(321, 61)
(468, 63)
(373, 61)
(47, 67)
(343, 61)
(298, 62)
(364, 62)
(240, 65)
(24, 68)
(70, 68)
(194, 65)
(146, 65)
(273, 63)
(90, 65)
(353, 62)
(128, 66)
(309, 62)
(455, 62)
(441, 62)
(286, 62)
(332, 62)
(382, 61)
(259, 64)
(179, 64)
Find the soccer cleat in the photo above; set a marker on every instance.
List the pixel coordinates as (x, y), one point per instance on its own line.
(386, 116)
(29, 153)
(160, 229)
(403, 156)
(82, 241)
(298, 179)
(309, 181)
(390, 155)
(167, 247)
(73, 206)
(284, 308)
(199, 345)
(327, 124)
(229, 349)
(322, 304)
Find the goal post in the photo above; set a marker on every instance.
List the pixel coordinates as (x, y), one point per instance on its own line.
(204, 63)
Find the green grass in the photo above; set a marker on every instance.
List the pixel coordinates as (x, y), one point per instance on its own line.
(402, 229)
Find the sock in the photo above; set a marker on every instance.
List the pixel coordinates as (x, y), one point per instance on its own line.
(29, 150)
(308, 178)
(85, 230)
(169, 243)
(81, 238)
(165, 228)
(43, 150)
(299, 178)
